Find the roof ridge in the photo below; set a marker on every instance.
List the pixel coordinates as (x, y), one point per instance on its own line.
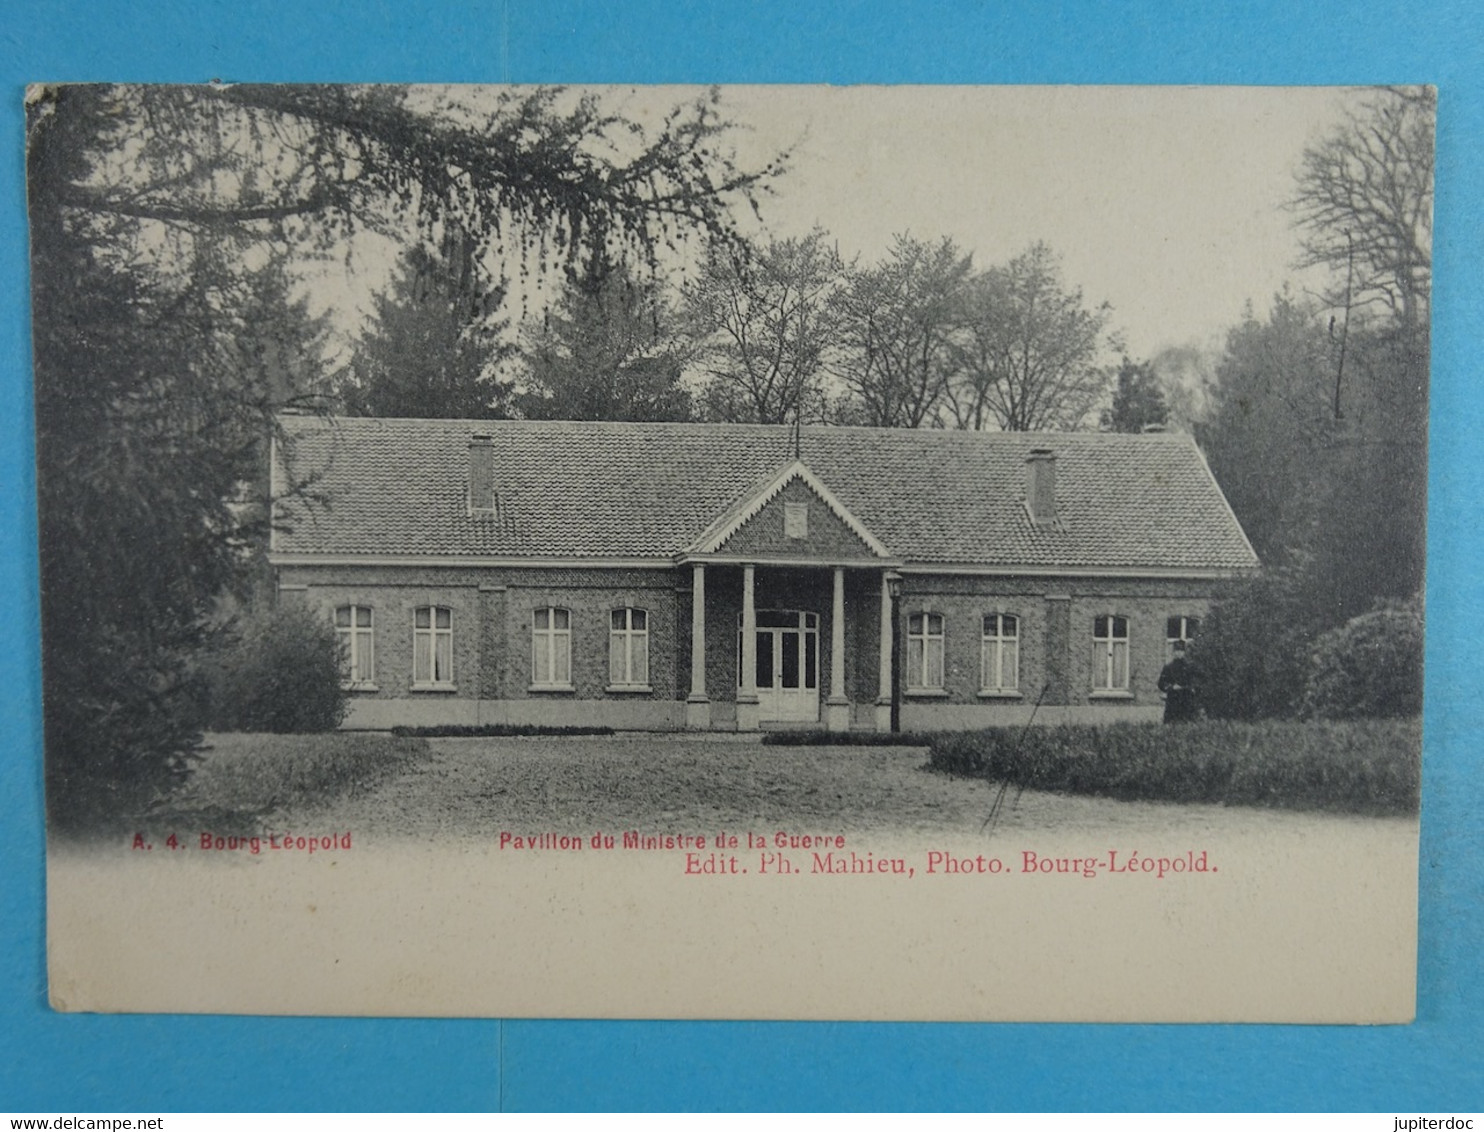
(925, 435)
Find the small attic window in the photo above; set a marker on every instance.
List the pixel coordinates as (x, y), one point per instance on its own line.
(796, 520)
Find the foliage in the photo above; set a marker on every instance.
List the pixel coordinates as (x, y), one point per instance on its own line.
(1363, 767)
(153, 410)
(1138, 401)
(434, 347)
(1318, 435)
(606, 353)
(520, 173)
(765, 325)
(1369, 667)
(1363, 203)
(497, 730)
(1030, 349)
(1343, 497)
(281, 673)
(845, 739)
(171, 229)
(1270, 422)
(1252, 650)
(897, 323)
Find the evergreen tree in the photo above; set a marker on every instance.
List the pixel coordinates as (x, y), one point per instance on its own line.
(166, 225)
(434, 347)
(1138, 401)
(606, 352)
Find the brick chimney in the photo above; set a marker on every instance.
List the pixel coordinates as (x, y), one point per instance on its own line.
(1040, 486)
(481, 473)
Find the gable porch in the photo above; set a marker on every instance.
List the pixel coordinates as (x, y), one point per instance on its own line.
(790, 643)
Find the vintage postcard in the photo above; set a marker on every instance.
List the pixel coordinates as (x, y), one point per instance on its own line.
(756, 552)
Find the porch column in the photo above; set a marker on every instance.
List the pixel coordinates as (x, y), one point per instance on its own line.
(837, 711)
(697, 705)
(883, 693)
(747, 709)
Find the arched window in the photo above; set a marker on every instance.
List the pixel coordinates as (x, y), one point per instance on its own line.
(357, 644)
(999, 653)
(628, 648)
(432, 647)
(551, 648)
(925, 650)
(1109, 653)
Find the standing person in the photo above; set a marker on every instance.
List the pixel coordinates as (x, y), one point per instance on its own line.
(1177, 682)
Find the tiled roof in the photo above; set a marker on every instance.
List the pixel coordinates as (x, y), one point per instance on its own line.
(614, 490)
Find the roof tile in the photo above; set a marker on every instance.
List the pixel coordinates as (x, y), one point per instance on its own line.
(618, 490)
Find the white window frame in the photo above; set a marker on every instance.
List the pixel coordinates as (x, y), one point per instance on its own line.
(623, 641)
(357, 645)
(1106, 650)
(993, 677)
(929, 640)
(1188, 627)
(558, 644)
(428, 638)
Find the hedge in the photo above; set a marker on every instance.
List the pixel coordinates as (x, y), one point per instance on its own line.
(494, 730)
(1354, 766)
(845, 739)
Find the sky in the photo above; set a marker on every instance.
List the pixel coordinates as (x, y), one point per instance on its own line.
(1165, 202)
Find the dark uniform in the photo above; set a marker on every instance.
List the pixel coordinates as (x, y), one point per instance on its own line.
(1177, 682)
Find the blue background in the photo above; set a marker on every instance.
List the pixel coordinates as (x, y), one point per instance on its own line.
(52, 1062)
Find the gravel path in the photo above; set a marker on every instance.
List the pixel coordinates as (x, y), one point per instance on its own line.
(474, 788)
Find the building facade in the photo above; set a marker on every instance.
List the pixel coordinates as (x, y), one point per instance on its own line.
(664, 576)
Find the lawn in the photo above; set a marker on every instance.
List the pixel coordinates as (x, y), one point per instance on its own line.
(478, 785)
(475, 788)
(400, 786)
(242, 779)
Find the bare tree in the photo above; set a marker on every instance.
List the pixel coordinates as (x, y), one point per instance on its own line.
(898, 323)
(1030, 349)
(765, 325)
(1363, 202)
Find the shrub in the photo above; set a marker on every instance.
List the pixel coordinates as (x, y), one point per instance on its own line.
(845, 739)
(1252, 652)
(1354, 766)
(282, 674)
(496, 730)
(1369, 666)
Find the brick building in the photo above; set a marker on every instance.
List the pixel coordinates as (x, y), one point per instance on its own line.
(664, 576)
